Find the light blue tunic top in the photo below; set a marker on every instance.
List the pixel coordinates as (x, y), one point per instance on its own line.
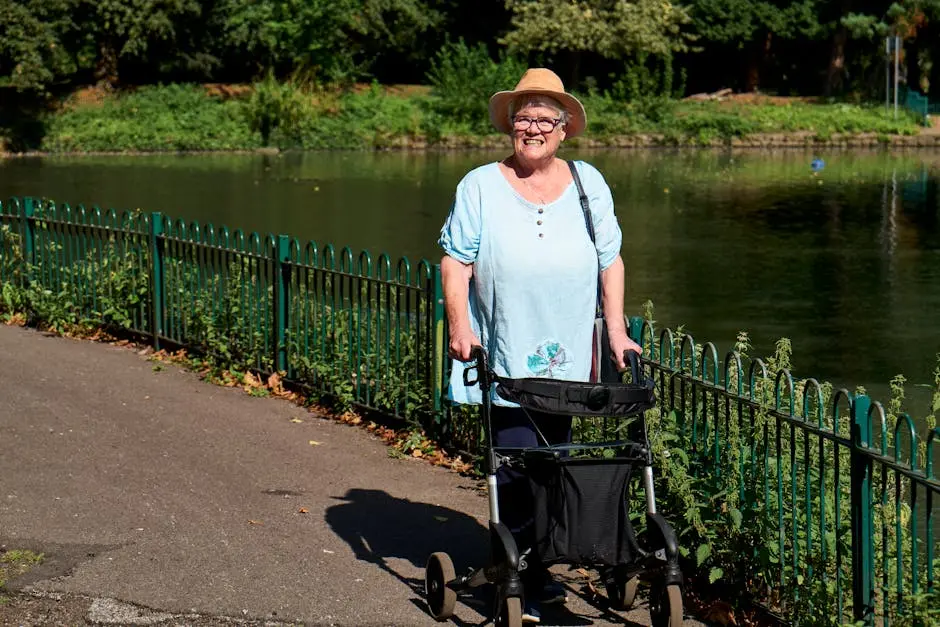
(534, 285)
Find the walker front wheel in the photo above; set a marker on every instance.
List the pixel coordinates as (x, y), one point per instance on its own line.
(510, 614)
(621, 593)
(437, 574)
(666, 605)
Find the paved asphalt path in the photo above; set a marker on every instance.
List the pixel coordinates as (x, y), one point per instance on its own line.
(155, 489)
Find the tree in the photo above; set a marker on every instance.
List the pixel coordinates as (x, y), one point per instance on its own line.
(282, 35)
(326, 39)
(112, 30)
(31, 52)
(614, 29)
(914, 21)
(752, 25)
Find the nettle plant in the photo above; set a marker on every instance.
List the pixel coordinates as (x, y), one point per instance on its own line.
(362, 350)
(751, 487)
(66, 289)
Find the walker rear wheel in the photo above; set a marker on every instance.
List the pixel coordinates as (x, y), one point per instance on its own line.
(510, 614)
(666, 605)
(437, 574)
(620, 593)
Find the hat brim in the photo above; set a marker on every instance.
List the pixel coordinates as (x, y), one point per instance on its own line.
(499, 109)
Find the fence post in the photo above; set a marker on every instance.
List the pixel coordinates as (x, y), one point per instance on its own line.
(29, 252)
(156, 276)
(440, 344)
(282, 269)
(862, 529)
(635, 329)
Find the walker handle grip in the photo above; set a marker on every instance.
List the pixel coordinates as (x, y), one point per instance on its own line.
(478, 355)
(632, 358)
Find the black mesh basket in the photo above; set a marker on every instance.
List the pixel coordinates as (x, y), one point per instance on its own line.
(581, 512)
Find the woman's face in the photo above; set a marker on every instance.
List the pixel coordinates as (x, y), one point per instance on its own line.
(531, 143)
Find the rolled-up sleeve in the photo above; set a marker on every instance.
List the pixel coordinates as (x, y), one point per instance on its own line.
(460, 235)
(607, 235)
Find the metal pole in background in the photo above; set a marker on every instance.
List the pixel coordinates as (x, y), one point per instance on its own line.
(887, 74)
(897, 54)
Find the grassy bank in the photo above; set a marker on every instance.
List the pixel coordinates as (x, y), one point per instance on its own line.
(269, 114)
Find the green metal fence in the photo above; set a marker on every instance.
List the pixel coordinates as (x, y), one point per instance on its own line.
(367, 331)
(919, 103)
(850, 494)
(830, 495)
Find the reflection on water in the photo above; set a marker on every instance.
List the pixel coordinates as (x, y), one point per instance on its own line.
(844, 261)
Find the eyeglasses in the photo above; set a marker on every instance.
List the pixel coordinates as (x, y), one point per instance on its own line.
(545, 125)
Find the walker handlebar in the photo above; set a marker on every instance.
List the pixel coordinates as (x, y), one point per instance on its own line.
(478, 355)
(632, 358)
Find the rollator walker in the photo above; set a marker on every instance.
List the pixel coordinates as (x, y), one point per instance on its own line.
(580, 492)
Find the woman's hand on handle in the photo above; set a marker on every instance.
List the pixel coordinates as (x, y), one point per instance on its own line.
(619, 344)
(462, 343)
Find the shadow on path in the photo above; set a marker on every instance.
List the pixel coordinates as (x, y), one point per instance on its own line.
(381, 528)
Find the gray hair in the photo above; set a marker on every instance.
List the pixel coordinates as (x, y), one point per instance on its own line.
(537, 100)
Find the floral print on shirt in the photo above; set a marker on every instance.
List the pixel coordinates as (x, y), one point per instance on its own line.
(550, 359)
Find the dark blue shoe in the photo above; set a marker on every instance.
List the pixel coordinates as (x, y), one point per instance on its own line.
(531, 613)
(553, 592)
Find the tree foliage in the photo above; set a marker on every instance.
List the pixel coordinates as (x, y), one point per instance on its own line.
(880, 19)
(789, 44)
(284, 35)
(741, 21)
(611, 28)
(31, 51)
(115, 30)
(326, 39)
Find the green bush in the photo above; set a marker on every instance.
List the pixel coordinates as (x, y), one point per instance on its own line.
(290, 115)
(277, 108)
(708, 126)
(153, 118)
(464, 77)
(367, 119)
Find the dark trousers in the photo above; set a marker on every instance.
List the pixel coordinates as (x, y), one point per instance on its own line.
(513, 429)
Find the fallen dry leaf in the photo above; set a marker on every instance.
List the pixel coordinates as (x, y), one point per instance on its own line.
(721, 613)
(302, 510)
(251, 381)
(593, 590)
(274, 382)
(296, 421)
(255, 522)
(314, 443)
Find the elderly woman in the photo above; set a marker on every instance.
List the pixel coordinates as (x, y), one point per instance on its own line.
(521, 276)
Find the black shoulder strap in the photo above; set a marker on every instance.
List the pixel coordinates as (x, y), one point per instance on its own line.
(589, 223)
(585, 206)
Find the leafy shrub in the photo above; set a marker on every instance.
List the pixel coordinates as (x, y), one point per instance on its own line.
(289, 115)
(153, 118)
(276, 107)
(463, 78)
(711, 125)
(364, 119)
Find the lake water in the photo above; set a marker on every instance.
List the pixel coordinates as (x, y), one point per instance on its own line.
(845, 261)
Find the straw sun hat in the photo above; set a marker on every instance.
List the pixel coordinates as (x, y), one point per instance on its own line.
(538, 82)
